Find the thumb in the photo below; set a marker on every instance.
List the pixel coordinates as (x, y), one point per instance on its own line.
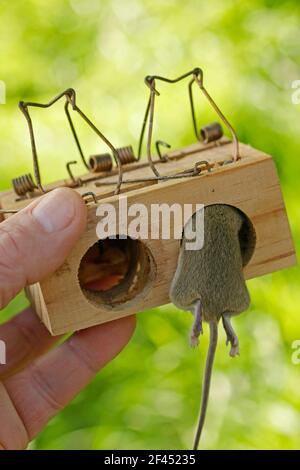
(35, 241)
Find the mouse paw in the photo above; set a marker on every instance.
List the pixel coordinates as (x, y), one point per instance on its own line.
(194, 340)
(232, 338)
(235, 348)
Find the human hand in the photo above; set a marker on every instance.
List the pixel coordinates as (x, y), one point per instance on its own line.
(36, 383)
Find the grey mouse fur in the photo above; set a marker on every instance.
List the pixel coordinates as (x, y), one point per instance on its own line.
(210, 283)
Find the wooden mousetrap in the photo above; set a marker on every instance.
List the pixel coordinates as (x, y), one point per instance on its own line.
(138, 273)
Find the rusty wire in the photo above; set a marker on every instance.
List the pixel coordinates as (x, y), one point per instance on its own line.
(70, 96)
(197, 76)
(9, 211)
(195, 171)
(124, 155)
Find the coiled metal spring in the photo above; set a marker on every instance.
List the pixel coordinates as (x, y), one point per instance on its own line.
(211, 132)
(23, 184)
(100, 163)
(126, 155)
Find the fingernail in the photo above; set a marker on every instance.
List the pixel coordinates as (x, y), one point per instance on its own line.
(55, 211)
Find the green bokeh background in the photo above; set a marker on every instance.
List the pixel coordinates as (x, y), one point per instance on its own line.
(148, 397)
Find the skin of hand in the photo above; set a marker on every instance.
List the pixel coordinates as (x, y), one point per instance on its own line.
(39, 378)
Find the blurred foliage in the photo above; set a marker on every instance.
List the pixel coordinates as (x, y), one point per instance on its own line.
(250, 52)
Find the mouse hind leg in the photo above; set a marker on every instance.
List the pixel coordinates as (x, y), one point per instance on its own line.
(197, 325)
(231, 336)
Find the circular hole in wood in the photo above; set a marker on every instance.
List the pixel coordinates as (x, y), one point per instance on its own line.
(116, 271)
(247, 238)
(247, 235)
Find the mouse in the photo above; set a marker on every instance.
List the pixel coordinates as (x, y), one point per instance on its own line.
(209, 282)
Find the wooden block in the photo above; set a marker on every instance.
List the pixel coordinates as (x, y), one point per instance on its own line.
(250, 184)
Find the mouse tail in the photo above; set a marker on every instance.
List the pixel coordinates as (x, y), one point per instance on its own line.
(213, 340)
